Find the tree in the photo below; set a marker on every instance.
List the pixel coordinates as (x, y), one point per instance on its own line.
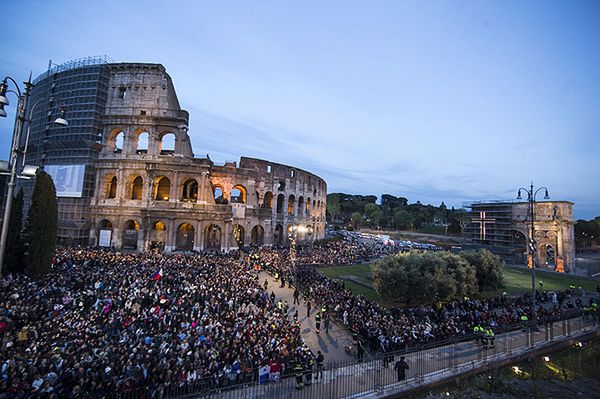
(424, 277)
(393, 202)
(587, 233)
(373, 214)
(488, 268)
(15, 249)
(403, 220)
(42, 223)
(333, 206)
(356, 219)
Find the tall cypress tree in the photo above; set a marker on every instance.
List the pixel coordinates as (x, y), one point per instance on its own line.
(42, 224)
(15, 247)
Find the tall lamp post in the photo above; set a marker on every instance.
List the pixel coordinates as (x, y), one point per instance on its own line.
(531, 194)
(10, 167)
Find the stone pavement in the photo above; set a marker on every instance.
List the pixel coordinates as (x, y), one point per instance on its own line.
(331, 344)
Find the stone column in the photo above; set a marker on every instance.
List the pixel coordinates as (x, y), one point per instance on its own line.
(225, 235)
(171, 236)
(199, 236)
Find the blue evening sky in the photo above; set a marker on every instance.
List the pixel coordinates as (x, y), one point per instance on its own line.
(431, 100)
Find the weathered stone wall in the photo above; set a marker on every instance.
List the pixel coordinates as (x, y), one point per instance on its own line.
(149, 196)
(554, 226)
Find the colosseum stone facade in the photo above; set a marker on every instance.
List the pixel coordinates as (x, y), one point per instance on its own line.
(151, 192)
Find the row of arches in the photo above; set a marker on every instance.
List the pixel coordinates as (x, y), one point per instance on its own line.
(185, 239)
(139, 141)
(300, 207)
(161, 189)
(189, 193)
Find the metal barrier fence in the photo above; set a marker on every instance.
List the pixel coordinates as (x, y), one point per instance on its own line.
(376, 373)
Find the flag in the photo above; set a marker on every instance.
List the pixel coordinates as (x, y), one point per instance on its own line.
(157, 275)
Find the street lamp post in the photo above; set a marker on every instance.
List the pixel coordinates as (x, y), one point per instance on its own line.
(27, 171)
(531, 194)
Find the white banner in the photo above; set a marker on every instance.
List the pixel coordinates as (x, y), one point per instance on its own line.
(104, 238)
(68, 179)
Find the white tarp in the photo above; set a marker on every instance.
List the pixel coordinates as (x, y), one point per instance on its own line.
(68, 179)
(104, 238)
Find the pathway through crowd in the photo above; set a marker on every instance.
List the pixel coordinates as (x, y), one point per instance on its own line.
(332, 344)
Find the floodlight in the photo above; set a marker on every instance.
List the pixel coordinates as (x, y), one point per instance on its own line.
(29, 171)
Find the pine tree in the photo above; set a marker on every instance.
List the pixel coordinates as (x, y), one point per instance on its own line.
(42, 224)
(15, 248)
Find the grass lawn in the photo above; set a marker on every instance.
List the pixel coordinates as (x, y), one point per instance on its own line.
(361, 272)
(519, 280)
(358, 279)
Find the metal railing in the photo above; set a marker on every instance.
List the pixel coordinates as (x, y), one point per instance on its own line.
(375, 374)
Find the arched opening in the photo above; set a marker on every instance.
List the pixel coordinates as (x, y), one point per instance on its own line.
(301, 206)
(167, 144)
(314, 205)
(116, 140)
(185, 237)
(280, 202)
(550, 255)
(278, 236)
(163, 188)
(142, 143)
(110, 190)
(130, 234)
(212, 237)
(257, 195)
(158, 235)
(105, 230)
(190, 191)
(307, 210)
(238, 235)
(238, 195)
(291, 203)
(257, 235)
(137, 187)
(219, 195)
(268, 200)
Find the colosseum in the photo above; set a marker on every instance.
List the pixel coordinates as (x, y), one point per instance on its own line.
(152, 192)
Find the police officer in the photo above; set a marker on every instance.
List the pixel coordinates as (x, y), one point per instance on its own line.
(318, 322)
(320, 361)
(524, 322)
(308, 368)
(477, 330)
(299, 372)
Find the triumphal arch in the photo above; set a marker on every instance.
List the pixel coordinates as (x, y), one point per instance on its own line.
(504, 227)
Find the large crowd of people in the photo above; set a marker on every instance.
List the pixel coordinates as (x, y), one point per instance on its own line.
(344, 252)
(103, 321)
(382, 328)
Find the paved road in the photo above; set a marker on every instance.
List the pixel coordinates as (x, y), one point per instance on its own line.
(332, 344)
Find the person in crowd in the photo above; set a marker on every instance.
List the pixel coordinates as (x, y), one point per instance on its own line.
(401, 367)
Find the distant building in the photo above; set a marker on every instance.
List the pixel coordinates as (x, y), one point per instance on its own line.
(504, 227)
(126, 176)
